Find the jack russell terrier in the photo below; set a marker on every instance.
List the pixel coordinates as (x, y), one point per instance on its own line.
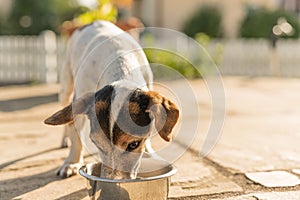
(122, 113)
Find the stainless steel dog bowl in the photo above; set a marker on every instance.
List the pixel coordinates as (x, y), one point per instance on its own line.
(152, 182)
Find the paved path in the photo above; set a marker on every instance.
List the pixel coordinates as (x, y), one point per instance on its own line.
(257, 156)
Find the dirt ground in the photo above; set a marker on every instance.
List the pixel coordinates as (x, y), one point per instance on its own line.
(262, 116)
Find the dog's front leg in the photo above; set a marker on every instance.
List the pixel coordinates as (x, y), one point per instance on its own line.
(75, 159)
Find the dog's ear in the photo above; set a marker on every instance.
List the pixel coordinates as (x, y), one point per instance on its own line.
(165, 112)
(64, 116)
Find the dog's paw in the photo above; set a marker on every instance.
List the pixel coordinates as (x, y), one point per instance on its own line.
(68, 170)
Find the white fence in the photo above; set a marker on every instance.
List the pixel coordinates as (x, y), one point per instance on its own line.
(30, 58)
(256, 58)
(39, 58)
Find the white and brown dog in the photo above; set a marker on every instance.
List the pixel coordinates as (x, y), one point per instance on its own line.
(122, 113)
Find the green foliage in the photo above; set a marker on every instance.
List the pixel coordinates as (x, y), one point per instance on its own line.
(215, 50)
(258, 23)
(172, 60)
(30, 17)
(105, 11)
(201, 63)
(206, 20)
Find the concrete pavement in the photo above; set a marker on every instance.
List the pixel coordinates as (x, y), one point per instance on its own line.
(256, 157)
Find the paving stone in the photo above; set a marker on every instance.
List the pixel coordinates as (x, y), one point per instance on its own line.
(288, 195)
(292, 195)
(24, 135)
(76, 189)
(213, 185)
(242, 197)
(296, 171)
(252, 138)
(195, 178)
(274, 178)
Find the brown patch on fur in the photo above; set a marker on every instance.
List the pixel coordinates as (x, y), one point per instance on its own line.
(134, 108)
(99, 105)
(124, 139)
(102, 109)
(155, 97)
(165, 112)
(139, 101)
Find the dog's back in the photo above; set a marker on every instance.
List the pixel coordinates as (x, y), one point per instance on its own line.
(99, 54)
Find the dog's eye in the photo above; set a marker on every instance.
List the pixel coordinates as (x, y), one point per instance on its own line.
(133, 145)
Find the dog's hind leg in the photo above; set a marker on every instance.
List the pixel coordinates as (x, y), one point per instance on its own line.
(65, 96)
(65, 138)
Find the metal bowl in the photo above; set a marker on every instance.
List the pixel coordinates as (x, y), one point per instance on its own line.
(153, 180)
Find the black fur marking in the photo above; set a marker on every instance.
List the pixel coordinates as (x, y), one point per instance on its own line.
(138, 123)
(105, 96)
(142, 99)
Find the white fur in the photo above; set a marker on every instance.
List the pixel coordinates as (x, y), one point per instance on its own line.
(91, 51)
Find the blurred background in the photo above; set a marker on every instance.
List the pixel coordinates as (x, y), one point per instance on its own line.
(243, 37)
(255, 45)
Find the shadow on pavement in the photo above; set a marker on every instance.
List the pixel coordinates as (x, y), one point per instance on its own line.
(12, 188)
(77, 195)
(26, 103)
(19, 186)
(26, 157)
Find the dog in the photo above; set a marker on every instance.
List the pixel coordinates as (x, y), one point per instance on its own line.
(110, 81)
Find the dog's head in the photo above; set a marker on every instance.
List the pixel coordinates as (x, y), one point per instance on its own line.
(120, 125)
